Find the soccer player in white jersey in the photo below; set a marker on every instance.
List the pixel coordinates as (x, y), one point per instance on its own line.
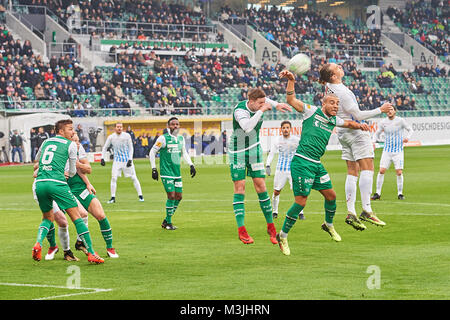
(394, 128)
(123, 160)
(285, 145)
(357, 147)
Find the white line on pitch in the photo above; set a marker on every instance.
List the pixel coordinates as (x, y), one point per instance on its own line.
(94, 290)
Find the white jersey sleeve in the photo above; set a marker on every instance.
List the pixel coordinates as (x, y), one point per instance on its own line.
(73, 152)
(246, 122)
(159, 143)
(186, 156)
(408, 129)
(82, 153)
(273, 150)
(106, 146)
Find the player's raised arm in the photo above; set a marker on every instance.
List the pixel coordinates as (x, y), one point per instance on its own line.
(351, 124)
(290, 91)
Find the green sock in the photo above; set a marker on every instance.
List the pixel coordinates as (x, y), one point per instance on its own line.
(291, 217)
(44, 228)
(106, 231)
(175, 205)
(83, 233)
(169, 210)
(238, 207)
(330, 210)
(51, 236)
(266, 206)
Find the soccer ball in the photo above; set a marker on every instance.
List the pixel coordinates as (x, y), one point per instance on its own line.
(299, 64)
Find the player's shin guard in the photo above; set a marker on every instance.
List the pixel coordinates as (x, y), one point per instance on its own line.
(330, 210)
(400, 184)
(106, 231)
(291, 217)
(83, 233)
(380, 180)
(175, 205)
(169, 210)
(266, 206)
(350, 193)
(51, 236)
(365, 187)
(43, 230)
(137, 185)
(275, 202)
(113, 186)
(239, 210)
(63, 235)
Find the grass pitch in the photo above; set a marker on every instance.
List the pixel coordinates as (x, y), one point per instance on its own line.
(204, 259)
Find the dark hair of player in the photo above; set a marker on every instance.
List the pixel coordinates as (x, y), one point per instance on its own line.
(173, 118)
(325, 74)
(59, 125)
(286, 122)
(255, 94)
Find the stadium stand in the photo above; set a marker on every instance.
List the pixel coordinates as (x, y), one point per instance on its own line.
(204, 76)
(427, 23)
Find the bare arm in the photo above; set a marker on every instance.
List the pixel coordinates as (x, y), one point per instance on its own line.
(84, 166)
(355, 125)
(87, 182)
(290, 91)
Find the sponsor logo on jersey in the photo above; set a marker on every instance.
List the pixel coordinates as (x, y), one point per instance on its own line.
(47, 168)
(238, 166)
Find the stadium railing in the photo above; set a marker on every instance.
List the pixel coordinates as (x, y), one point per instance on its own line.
(224, 108)
(134, 28)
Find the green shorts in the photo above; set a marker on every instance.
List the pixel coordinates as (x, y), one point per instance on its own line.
(172, 184)
(307, 175)
(49, 191)
(84, 197)
(247, 163)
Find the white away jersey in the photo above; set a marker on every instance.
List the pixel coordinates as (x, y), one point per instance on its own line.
(393, 133)
(348, 106)
(122, 147)
(286, 149)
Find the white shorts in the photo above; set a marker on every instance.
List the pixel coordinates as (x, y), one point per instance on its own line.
(118, 167)
(356, 145)
(280, 179)
(396, 157)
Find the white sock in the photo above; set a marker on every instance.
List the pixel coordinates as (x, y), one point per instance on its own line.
(64, 237)
(380, 180)
(329, 225)
(400, 184)
(113, 187)
(365, 187)
(137, 185)
(283, 235)
(275, 202)
(350, 193)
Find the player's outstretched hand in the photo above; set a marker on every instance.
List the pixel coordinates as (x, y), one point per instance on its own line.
(91, 189)
(364, 127)
(287, 75)
(155, 174)
(129, 163)
(102, 162)
(283, 107)
(193, 171)
(386, 107)
(268, 171)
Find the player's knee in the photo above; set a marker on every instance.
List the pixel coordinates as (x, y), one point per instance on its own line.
(178, 197)
(113, 179)
(276, 192)
(399, 172)
(382, 170)
(171, 196)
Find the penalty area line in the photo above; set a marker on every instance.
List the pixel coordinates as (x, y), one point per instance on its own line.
(91, 290)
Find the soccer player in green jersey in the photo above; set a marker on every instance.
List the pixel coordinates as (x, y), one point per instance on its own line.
(246, 158)
(306, 169)
(51, 185)
(83, 190)
(171, 147)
